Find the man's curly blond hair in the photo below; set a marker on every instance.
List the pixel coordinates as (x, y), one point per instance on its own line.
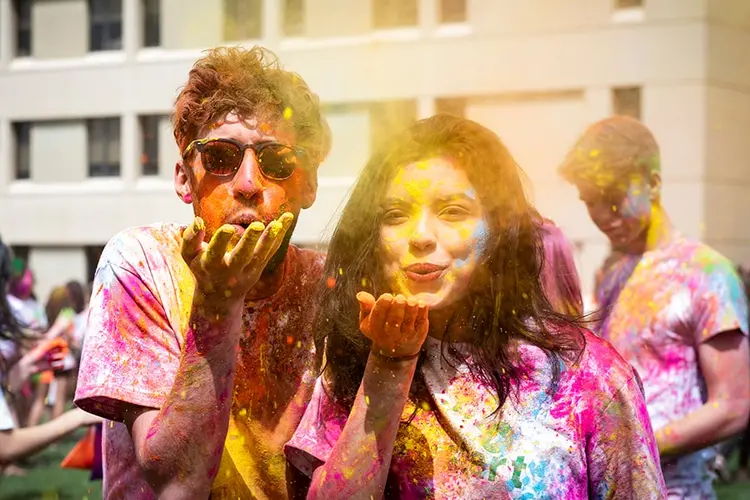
(251, 83)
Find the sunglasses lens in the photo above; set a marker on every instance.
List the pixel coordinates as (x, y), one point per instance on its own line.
(221, 158)
(278, 161)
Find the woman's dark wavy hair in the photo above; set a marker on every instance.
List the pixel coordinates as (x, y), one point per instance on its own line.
(9, 327)
(506, 297)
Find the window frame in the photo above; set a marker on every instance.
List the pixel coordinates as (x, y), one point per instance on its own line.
(151, 23)
(22, 150)
(294, 18)
(22, 11)
(463, 16)
(107, 130)
(232, 11)
(149, 134)
(103, 22)
(383, 17)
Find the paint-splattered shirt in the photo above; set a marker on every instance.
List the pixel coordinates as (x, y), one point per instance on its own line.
(675, 298)
(142, 299)
(591, 438)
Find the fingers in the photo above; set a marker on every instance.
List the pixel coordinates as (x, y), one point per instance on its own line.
(243, 252)
(410, 315)
(421, 322)
(192, 239)
(217, 247)
(366, 303)
(379, 313)
(395, 316)
(277, 234)
(270, 241)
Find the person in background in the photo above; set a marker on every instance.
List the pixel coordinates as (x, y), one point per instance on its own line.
(559, 276)
(22, 299)
(79, 297)
(15, 368)
(448, 372)
(674, 307)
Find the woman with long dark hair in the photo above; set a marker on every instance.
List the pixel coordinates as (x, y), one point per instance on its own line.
(460, 380)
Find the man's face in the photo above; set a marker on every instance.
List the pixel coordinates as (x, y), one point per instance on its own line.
(248, 195)
(620, 209)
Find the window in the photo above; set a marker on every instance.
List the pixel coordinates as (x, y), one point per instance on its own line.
(151, 12)
(242, 20)
(22, 10)
(20, 256)
(150, 144)
(455, 106)
(394, 13)
(387, 118)
(294, 17)
(93, 254)
(627, 101)
(627, 4)
(105, 21)
(452, 11)
(22, 134)
(104, 147)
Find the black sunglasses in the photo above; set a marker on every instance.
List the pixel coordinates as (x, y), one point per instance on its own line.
(223, 157)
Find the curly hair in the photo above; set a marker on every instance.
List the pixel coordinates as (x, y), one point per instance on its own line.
(249, 82)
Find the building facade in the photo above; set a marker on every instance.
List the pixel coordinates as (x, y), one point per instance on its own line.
(87, 87)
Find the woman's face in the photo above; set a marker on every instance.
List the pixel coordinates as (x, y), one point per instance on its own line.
(432, 232)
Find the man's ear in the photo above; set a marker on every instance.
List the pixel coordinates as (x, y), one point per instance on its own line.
(309, 188)
(654, 185)
(182, 185)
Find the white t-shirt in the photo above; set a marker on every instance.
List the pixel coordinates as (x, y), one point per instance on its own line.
(29, 313)
(6, 417)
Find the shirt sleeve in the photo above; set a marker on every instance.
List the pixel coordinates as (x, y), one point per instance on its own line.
(623, 459)
(719, 301)
(131, 353)
(317, 433)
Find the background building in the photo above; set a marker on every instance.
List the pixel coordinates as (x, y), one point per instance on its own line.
(86, 147)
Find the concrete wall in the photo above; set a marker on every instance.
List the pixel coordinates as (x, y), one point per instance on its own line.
(55, 266)
(727, 129)
(537, 72)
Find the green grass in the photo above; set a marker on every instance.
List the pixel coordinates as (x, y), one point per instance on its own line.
(47, 481)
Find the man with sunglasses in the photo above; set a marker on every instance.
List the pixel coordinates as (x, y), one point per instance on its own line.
(673, 307)
(198, 345)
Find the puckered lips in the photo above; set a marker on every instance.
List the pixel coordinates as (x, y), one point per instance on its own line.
(423, 272)
(241, 222)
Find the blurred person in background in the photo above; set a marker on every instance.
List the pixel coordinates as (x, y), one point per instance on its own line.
(674, 307)
(560, 280)
(22, 298)
(53, 387)
(15, 368)
(79, 297)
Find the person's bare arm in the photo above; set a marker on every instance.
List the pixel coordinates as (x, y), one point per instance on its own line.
(179, 446)
(359, 463)
(19, 443)
(724, 364)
